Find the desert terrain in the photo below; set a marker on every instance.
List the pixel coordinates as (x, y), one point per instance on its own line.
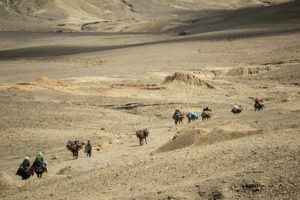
(101, 70)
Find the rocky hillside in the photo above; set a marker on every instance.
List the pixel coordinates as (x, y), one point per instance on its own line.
(113, 15)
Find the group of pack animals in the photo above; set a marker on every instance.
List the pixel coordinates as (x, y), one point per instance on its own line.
(26, 170)
(191, 116)
(27, 173)
(75, 146)
(39, 167)
(207, 113)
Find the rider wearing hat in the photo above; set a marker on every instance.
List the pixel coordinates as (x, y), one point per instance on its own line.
(25, 164)
(39, 160)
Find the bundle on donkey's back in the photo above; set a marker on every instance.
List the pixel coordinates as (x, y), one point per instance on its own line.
(206, 113)
(24, 169)
(237, 109)
(74, 147)
(258, 104)
(192, 116)
(142, 135)
(178, 116)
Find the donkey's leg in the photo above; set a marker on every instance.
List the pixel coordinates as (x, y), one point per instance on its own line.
(75, 156)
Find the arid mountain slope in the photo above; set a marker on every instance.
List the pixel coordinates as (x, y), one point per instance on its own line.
(127, 67)
(120, 15)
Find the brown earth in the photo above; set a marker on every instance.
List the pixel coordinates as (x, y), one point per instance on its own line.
(102, 87)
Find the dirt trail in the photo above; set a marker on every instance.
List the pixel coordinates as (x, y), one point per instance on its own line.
(125, 150)
(103, 87)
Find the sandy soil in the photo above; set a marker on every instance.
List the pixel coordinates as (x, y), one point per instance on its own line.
(56, 87)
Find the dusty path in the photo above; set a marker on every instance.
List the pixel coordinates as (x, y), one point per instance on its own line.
(56, 87)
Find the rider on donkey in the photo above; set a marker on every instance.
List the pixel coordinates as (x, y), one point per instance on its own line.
(258, 105)
(206, 109)
(258, 101)
(39, 166)
(39, 161)
(177, 113)
(24, 168)
(25, 164)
